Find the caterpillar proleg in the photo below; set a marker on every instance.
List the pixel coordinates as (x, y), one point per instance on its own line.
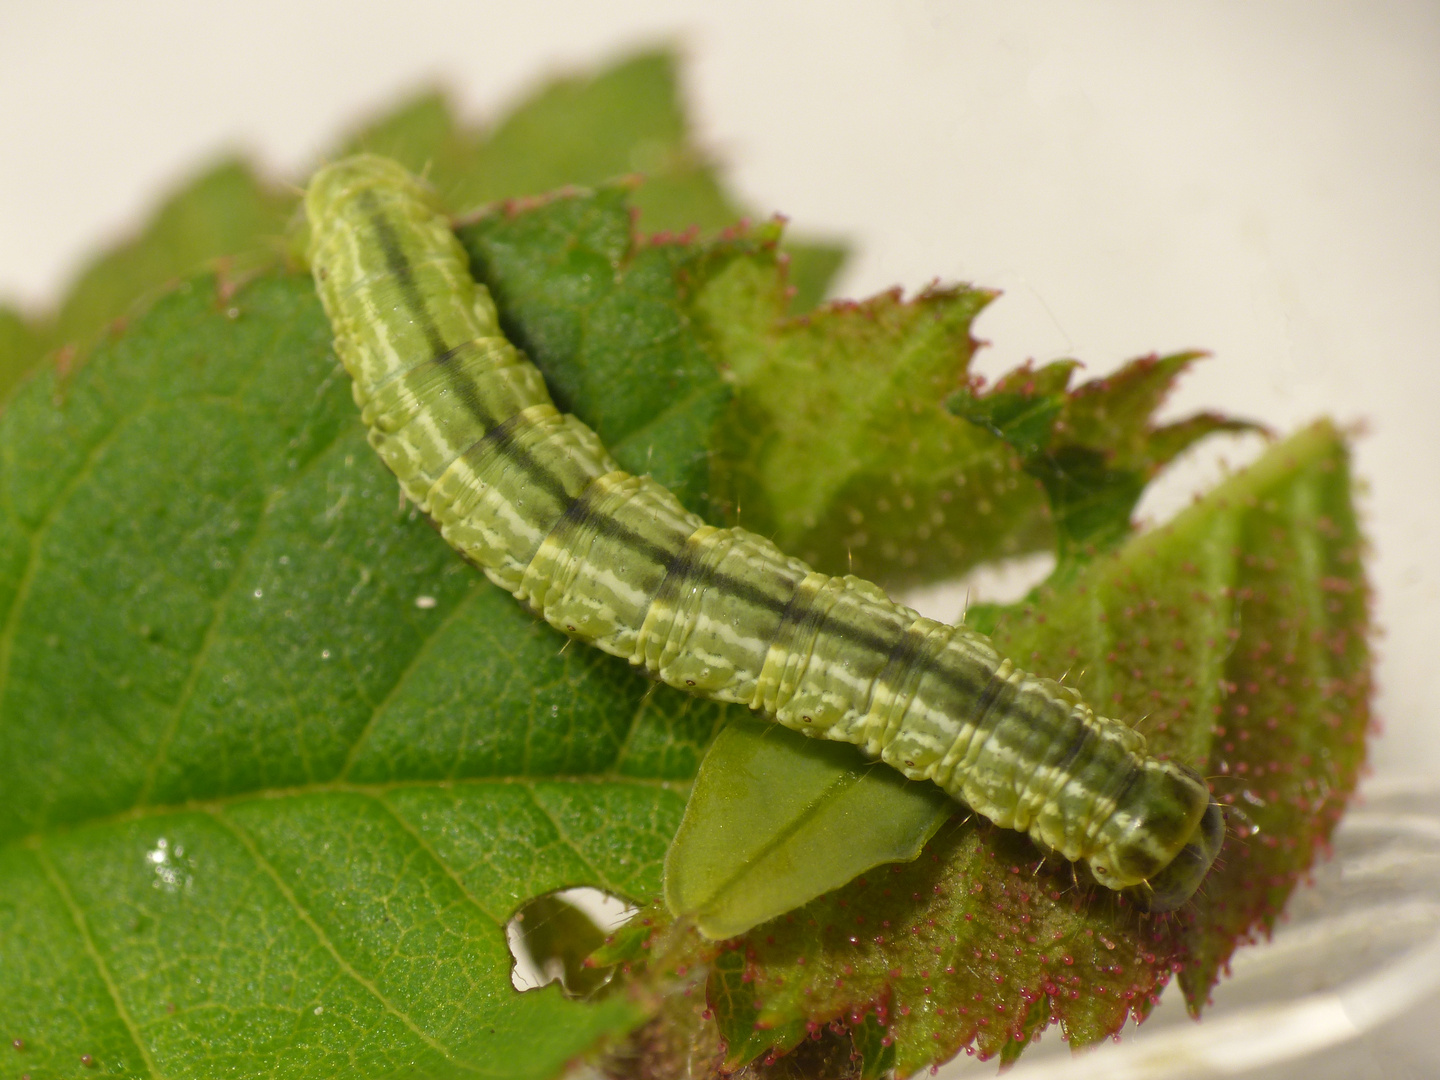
(533, 498)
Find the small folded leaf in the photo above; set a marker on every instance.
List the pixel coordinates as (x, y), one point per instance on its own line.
(776, 819)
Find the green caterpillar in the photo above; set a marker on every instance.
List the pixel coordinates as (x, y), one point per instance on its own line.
(533, 498)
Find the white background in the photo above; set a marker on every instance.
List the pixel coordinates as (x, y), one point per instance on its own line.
(1260, 180)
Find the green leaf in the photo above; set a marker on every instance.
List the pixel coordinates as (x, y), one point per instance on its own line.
(224, 211)
(759, 834)
(730, 996)
(875, 1049)
(559, 938)
(651, 342)
(1093, 448)
(278, 766)
(278, 662)
(1236, 636)
(608, 324)
(839, 445)
(21, 347)
(782, 857)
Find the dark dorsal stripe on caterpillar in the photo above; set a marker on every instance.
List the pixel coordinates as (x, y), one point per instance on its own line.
(533, 498)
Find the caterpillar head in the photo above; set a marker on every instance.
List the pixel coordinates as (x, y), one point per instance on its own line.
(1175, 884)
(1161, 838)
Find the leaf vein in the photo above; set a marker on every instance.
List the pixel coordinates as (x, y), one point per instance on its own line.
(403, 677)
(37, 538)
(77, 917)
(263, 864)
(219, 608)
(424, 846)
(564, 835)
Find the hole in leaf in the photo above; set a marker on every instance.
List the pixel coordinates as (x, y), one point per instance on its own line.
(551, 936)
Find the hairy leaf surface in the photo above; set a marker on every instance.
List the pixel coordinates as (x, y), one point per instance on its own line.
(1222, 632)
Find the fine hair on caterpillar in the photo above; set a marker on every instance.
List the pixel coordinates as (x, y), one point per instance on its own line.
(532, 497)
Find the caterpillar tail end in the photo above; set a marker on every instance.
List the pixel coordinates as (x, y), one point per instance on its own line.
(1175, 884)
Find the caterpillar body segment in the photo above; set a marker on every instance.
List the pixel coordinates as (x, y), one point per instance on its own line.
(533, 498)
